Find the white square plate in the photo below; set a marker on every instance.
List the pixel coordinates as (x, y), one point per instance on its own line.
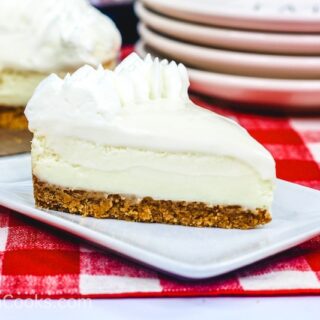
(194, 253)
(15, 168)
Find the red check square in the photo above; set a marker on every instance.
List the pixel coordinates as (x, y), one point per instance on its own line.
(313, 259)
(31, 237)
(294, 170)
(4, 216)
(98, 263)
(276, 136)
(40, 262)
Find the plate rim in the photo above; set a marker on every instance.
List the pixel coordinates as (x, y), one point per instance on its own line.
(258, 41)
(268, 65)
(249, 20)
(293, 84)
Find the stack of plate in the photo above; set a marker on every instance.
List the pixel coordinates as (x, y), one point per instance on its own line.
(260, 52)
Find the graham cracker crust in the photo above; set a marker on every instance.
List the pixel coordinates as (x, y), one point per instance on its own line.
(115, 206)
(13, 118)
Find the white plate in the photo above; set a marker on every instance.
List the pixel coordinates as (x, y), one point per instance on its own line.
(188, 252)
(272, 15)
(266, 42)
(233, 62)
(260, 92)
(15, 168)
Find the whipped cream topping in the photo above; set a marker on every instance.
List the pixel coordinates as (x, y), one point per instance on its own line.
(54, 35)
(143, 104)
(100, 95)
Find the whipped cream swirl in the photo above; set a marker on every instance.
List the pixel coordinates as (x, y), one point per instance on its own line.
(100, 94)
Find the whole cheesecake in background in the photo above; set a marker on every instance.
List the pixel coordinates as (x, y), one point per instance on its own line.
(129, 144)
(38, 37)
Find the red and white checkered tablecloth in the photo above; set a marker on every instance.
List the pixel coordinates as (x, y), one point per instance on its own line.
(36, 260)
(39, 261)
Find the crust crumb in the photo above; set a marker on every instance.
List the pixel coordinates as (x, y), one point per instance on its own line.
(13, 118)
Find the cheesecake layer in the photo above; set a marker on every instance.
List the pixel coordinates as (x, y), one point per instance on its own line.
(147, 209)
(17, 87)
(82, 165)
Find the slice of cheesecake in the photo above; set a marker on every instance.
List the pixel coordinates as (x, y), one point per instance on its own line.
(41, 37)
(129, 144)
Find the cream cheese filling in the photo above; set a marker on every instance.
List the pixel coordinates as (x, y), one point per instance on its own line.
(77, 164)
(17, 87)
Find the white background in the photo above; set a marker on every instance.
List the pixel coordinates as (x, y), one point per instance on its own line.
(261, 308)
